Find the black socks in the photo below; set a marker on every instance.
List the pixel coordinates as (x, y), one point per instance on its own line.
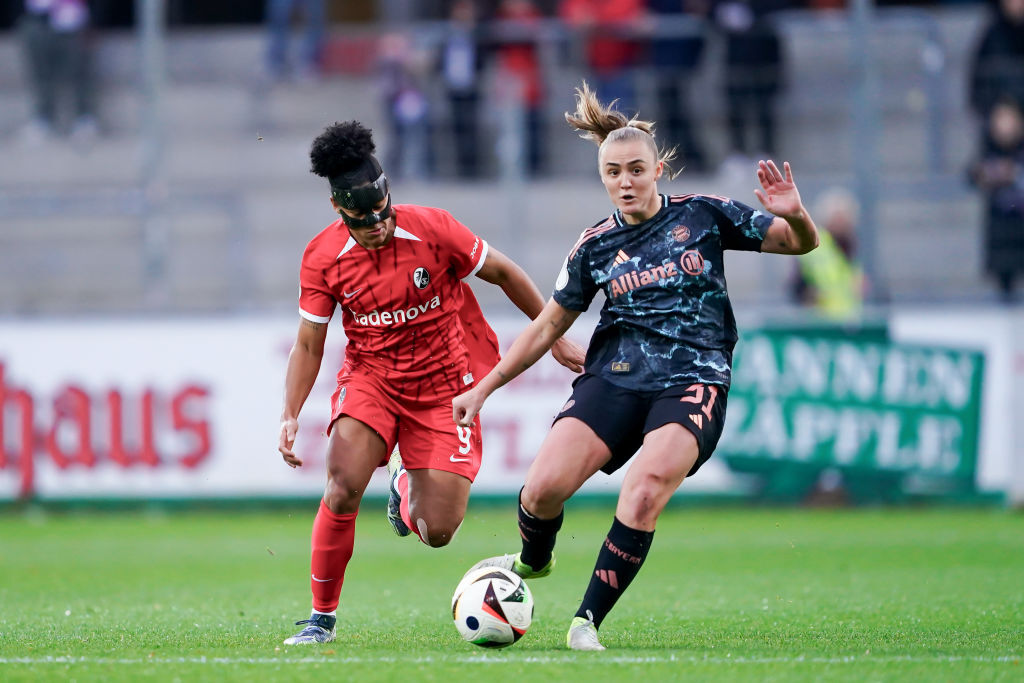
(622, 554)
(538, 538)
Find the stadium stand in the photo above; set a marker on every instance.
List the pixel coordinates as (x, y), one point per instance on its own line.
(221, 222)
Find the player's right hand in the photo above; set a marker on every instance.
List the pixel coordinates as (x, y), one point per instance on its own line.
(569, 353)
(285, 443)
(465, 407)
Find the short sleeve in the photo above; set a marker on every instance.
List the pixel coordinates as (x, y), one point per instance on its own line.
(467, 251)
(316, 302)
(742, 227)
(575, 287)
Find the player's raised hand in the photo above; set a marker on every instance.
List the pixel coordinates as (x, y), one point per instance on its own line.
(286, 441)
(778, 192)
(466, 406)
(569, 353)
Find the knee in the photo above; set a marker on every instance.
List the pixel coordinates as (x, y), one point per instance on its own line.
(435, 535)
(543, 499)
(435, 530)
(340, 496)
(435, 538)
(642, 503)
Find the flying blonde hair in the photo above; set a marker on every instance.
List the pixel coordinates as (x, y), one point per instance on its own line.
(600, 124)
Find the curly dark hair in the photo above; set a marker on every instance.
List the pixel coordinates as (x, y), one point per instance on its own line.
(341, 147)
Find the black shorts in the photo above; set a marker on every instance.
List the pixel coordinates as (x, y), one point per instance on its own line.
(622, 417)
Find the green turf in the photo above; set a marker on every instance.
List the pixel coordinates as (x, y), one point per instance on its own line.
(727, 594)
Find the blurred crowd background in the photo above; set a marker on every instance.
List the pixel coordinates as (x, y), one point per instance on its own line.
(154, 154)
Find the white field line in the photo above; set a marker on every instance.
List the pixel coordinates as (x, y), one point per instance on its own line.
(542, 659)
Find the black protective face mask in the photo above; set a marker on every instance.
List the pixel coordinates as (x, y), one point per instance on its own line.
(362, 199)
(370, 218)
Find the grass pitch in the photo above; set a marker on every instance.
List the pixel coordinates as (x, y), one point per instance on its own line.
(727, 594)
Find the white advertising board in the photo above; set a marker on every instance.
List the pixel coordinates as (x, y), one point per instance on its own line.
(190, 408)
(997, 332)
(183, 408)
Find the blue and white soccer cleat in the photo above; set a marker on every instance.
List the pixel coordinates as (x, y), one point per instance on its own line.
(512, 563)
(319, 629)
(395, 470)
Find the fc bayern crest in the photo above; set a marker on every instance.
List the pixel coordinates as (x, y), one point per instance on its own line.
(681, 233)
(421, 278)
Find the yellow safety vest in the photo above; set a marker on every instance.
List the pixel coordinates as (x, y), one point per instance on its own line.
(835, 279)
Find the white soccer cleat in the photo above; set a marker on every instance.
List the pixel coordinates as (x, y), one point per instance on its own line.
(319, 629)
(512, 563)
(582, 634)
(394, 513)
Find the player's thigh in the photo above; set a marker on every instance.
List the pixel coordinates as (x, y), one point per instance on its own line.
(354, 451)
(570, 454)
(438, 498)
(441, 459)
(364, 398)
(429, 439)
(667, 456)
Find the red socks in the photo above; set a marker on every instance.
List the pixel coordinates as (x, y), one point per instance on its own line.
(332, 541)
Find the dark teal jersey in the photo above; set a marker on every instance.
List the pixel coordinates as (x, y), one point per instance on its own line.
(667, 319)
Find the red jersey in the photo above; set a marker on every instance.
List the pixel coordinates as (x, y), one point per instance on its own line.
(407, 314)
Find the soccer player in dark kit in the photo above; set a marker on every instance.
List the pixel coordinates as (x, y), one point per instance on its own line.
(658, 366)
(416, 337)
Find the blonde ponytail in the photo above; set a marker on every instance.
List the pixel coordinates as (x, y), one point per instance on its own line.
(600, 123)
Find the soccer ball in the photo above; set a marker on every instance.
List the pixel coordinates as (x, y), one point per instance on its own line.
(492, 607)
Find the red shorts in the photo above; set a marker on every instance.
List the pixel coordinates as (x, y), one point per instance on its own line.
(426, 434)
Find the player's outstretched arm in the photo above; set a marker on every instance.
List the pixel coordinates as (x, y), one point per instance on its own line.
(793, 231)
(303, 367)
(539, 336)
(500, 270)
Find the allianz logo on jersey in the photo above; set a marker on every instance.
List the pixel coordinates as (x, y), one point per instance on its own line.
(691, 263)
(396, 317)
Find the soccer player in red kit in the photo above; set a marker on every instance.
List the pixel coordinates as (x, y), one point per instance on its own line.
(416, 339)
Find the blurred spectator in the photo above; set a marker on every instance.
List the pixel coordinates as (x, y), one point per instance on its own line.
(57, 44)
(610, 56)
(829, 279)
(675, 61)
(280, 14)
(753, 74)
(401, 69)
(998, 64)
(519, 67)
(461, 62)
(999, 174)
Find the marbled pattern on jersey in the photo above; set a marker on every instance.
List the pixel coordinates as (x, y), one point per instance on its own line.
(667, 319)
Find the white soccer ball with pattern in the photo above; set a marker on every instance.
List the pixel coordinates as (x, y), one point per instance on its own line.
(492, 607)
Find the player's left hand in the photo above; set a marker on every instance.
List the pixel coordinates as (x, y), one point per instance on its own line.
(286, 442)
(569, 353)
(466, 406)
(778, 192)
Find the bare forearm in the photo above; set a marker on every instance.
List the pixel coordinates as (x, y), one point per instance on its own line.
(536, 340)
(521, 291)
(502, 271)
(794, 234)
(303, 367)
(805, 233)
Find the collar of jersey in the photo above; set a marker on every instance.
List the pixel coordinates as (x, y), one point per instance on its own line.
(622, 221)
(400, 233)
